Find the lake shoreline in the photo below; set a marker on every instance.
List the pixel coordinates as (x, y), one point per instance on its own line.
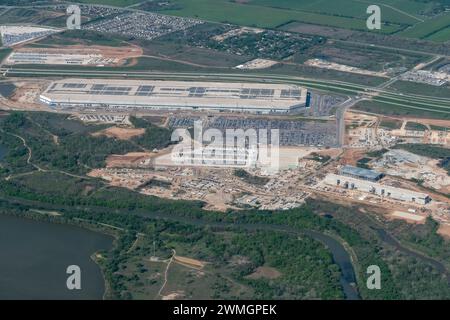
(52, 220)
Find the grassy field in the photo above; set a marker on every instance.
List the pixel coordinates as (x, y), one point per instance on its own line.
(422, 89)
(404, 17)
(442, 35)
(437, 29)
(262, 15)
(118, 3)
(346, 8)
(383, 108)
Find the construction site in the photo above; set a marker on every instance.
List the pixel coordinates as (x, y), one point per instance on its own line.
(310, 156)
(78, 55)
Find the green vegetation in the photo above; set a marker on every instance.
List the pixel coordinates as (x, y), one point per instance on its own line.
(118, 3)
(390, 123)
(431, 151)
(421, 89)
(415, 126)
(154, 136)
(429, 28)
(405, 270)
(426, 150)
(4, 52)
(390, 107)
(438, 128)
(363, 163)
(235, 243)
(272, 15)
(34, 16)
(60, 143)
(371, 155)
(360, 56)
(249, 178)
(77, 37)
(442, 35)
(376, 153)
(318, 157)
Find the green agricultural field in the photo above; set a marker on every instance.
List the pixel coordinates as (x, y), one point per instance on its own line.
(421, 89)
(408, 18)
(347, 8)
(380, 107)
(427, 29)
(255, 14)
(442, 35)
(119, 3)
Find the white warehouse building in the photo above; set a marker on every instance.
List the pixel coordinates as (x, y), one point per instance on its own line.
(175, 95)
(377, 189)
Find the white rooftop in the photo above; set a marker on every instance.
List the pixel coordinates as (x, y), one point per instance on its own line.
(221, 95)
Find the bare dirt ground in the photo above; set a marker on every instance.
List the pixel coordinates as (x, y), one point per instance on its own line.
(174, 296)
(121, 54)
(127, 159)
(120, 133)
(435, 122)
(193, 263)
(444, 230)
(265, 273)
(351, 156)
(26, 96)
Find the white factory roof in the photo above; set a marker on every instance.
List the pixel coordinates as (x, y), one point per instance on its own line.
(175, 94)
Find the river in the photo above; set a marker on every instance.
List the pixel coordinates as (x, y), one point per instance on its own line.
(340, 255)
(3, 151)
(34, 256)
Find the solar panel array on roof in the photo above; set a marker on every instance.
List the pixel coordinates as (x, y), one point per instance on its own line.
(74, 85)
(291, 93)
(144, 91)
(197, 91)
(256, 93)
(102, 89)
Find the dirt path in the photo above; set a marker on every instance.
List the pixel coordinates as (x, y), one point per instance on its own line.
(166, 273)
(183, 62)
(30, 155)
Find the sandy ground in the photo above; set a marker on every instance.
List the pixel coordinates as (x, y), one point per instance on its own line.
(436, 122)
(444, 230)
(319, 63)
(265, 272)
(120, 133)
(26, 96)
(119, 54)
(190, 262)
(411, 217)
(174, 296)
(351, 156)
(129, 159)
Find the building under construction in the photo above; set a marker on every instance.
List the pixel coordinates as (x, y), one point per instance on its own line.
(378, 189)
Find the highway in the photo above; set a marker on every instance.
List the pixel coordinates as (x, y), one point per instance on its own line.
(320, 84)
(354, 92)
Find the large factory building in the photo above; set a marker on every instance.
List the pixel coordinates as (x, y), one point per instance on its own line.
(175, 95)
(375, 188)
